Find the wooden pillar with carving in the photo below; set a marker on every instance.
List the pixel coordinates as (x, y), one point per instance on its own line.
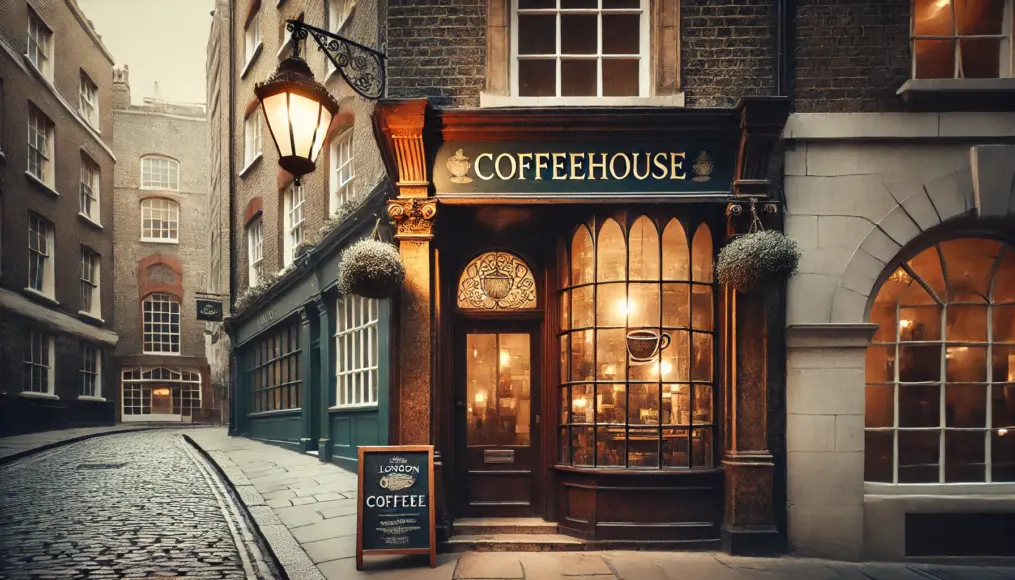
(748, 464)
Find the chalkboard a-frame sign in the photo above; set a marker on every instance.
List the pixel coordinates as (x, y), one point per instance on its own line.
(395, 514)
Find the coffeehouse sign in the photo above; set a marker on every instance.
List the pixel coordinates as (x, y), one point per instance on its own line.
(584, 169)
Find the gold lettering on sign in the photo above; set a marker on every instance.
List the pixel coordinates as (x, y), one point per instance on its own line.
(659, 162)
(542, 162)
(558, 165)
(576, 165)
(675, 166)
(523, 164)
(514, 166)
(613, 166)
(593, 165)
(640, 176)
(479, 172)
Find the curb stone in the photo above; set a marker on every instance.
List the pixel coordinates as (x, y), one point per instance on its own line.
(289, 557)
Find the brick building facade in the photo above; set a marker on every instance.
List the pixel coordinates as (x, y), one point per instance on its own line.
(56, 220)
(286, 241)
(220, 186)
(160, 187)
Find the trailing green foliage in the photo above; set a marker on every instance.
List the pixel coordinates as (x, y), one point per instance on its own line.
(372, 269)
(758, 261)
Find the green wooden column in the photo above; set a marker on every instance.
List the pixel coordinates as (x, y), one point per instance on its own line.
(309, 390)
(326, 329)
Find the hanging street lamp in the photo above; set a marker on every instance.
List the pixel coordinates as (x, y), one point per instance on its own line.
(298, 110)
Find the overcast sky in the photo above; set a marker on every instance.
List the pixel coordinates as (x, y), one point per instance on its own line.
(162, 41)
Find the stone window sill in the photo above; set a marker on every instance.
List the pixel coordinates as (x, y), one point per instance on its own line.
(958, 93)
(43, 296)
(253, 59)
(488, 100)
(90, 221)
(354, 407)
(938, 489)
(88, 398)
(157, 241)
(243, 172)
(91, 317)
(34, 395)
(41, 184)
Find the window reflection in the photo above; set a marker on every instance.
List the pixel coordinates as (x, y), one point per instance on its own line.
(941, 369)
(637, 274)
(498, 375)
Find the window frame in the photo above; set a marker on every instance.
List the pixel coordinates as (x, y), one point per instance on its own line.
(41, 127)
(255, 251)
(172, 170)
(89, 189)
(946, 344)
(294, 233)
(274, 370)
(568, 328)
(357, 348)
(252, 40)
(171, 210)
(1006, 60)
(341, 174)
(90, 372)
(150, 336)
(42, 232)
(644, 52)
(34, 41)
(46, 350)
(90, 283)
(253, 138)
(88, 98)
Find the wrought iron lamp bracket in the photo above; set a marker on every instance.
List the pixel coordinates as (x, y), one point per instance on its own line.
(361, 66)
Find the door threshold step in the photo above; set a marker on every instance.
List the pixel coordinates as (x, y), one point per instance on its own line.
(492, 526)
(512, 543)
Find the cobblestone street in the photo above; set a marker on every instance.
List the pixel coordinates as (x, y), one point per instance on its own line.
(130, 505)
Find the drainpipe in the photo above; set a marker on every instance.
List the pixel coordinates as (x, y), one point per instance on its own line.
(234, 411)
(784, 10)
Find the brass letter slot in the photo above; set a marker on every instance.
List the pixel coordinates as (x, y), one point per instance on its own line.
(498, 456)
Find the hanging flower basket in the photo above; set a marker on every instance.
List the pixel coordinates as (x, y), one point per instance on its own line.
(372, 269)
(758, 260)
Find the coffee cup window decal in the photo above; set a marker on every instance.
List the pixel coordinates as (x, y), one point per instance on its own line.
(645, 344)
(497, 281)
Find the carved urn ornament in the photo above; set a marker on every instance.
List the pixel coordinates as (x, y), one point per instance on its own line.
(458, 164)
(758, 260)
(372, 269)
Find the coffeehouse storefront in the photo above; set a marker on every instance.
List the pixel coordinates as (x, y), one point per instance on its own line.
(562, 340)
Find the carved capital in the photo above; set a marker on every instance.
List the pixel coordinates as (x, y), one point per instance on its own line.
(414, 217)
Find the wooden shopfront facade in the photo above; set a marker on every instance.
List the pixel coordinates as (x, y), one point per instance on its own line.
(562, 340)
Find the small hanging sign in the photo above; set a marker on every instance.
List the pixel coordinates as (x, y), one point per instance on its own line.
(396, 502)
(209, 310)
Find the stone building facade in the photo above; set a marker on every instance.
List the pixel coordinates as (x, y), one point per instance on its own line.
(220, 186)
(56, 220)
(160, 190)
(286, 241)
(899, 184)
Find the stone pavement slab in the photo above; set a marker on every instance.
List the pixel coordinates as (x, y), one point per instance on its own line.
(306, 510)
(18, 446)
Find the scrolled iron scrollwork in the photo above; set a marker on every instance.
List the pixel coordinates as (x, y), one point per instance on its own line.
(361, 66)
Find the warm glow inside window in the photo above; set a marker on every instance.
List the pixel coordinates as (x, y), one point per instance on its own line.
(637, 345)
(961, 39)
(496, 281)
(580, 48)
(941, 369)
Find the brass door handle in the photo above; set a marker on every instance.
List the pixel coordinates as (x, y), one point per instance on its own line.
(537, 419)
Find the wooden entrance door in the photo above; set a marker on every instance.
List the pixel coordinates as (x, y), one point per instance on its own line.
(162, 401)
(498, 407)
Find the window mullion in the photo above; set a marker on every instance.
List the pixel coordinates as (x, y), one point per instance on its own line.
(942, 408)
(557, 18)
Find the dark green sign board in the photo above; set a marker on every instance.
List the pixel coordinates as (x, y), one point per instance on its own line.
(585, 169)
(210, 310)
(396, 502)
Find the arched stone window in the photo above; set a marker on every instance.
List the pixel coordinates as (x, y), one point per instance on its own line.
(637, 345)
(941, 369)
(497, 281)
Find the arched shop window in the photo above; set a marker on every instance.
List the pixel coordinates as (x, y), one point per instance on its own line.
(941, 369)
(637, 342)
(497, 281)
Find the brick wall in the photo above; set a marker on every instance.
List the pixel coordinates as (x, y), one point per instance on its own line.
(263, 178)
(851, 56)
(436, 49)
(75, 50)
(182, 134)
(727, 49)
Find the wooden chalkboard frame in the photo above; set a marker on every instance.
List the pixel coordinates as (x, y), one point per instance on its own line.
(360, 552)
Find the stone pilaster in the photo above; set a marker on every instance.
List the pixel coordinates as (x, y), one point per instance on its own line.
(308, 386)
